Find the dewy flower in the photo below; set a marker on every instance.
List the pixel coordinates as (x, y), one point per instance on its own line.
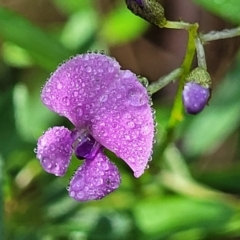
(109, 108)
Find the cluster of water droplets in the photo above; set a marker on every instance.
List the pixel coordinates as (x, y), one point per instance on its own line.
(94, 179)
(54, 150)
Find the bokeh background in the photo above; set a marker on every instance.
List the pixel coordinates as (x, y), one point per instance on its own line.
(190, 191)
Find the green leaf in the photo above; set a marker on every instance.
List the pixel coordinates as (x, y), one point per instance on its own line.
(121, 26)
(44, 49)
(228, 9)
(170, 215)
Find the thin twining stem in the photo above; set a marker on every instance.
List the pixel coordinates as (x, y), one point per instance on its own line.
(216, 35)
(163, 81)
(177, 25)
(200, 54)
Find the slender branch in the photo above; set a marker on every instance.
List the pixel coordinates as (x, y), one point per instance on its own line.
(177, 25)
(200, 54)
(176, 114)
(216, 35)
(163, 81)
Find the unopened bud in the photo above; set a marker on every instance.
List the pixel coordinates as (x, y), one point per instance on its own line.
(150, 10)
(197, 91)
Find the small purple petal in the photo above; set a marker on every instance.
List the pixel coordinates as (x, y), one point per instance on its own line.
(195, 97)
(86, 147)
(94, 179)
(75, 87)
(124, 123)
(54, 150)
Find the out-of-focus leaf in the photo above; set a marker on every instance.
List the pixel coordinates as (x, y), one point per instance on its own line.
(45, 50)
(210, 129)
(9, 137)
(80, 31)
(73, 6)
(31, 116)
(226, 180)
(121, 26)
(170, 215)
(15, 56)
(228, 9)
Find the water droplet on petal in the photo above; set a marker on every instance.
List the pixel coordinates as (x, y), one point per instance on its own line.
(48, 89)
(80, 195)
(78, 110)
(75, 93)
(136, 97)
(145, 130)
(103, 98)
(72, 194)
(59, 85)
(65, 101)
(88, 69)
(131, 124)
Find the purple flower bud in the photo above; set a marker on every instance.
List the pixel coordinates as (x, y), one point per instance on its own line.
(195, 97)
(150, 10)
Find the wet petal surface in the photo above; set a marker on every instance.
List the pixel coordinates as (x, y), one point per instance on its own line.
(125, 124)
(94, 179)
(54, 150)
(75, 87)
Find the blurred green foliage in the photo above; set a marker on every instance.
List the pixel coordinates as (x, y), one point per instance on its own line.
(228, 9)
(172, 200)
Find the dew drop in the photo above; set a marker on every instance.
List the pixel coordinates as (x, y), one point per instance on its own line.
(59, 85)
(65, 101)
(136, 97)
(80, 195)
(88, 69)
(72, 194)
(103, 98)
(131, 124)
(48, 89)
(131, 159)
(145, 130)
(75, 93)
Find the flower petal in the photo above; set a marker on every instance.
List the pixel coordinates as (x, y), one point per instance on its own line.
(77, 84)
(54, 150)
(125, 123)
(94, 179)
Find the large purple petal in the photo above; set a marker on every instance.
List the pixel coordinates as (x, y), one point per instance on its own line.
(124, 123)
(94, 179)
(54, 150)
(75, 87)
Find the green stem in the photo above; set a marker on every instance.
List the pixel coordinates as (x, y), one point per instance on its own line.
(216, 35)
(176, 114)
(177, 25)
(177, 110)
(163, 81)
(200, 54)
(1, 200)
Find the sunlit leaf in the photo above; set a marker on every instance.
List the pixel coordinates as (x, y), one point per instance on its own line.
(169, 215)
(228, 9)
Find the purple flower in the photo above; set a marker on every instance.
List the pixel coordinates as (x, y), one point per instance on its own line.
(109, 109)
(195, 97)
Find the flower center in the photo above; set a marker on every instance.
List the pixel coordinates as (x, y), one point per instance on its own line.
(85, 146)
